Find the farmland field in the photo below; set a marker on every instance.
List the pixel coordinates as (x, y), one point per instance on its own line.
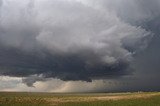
(79, 99)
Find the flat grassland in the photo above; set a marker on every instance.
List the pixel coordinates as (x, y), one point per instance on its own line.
(79, 99)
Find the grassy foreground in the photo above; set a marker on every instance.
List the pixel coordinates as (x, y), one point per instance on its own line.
(89, 99)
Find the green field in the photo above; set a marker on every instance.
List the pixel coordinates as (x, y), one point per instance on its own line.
(80, 99)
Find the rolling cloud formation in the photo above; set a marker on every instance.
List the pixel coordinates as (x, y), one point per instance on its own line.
(73, 39)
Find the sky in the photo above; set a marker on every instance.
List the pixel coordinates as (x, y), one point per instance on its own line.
(79, 45)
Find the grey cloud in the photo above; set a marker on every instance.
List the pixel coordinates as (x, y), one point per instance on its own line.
(29, 81)
(146, 63)
(133, 10)
(71, 67)
(69, 40)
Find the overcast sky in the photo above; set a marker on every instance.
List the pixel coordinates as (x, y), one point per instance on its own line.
(69, 45)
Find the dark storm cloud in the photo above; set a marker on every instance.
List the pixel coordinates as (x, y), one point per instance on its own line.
(144, 13)
(71, 39)
(67, 67)
(146, 63)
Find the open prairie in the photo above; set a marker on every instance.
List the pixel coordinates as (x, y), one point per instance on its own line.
(79, 99)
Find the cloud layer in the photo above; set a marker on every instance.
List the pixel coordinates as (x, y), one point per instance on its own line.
(73, 40)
